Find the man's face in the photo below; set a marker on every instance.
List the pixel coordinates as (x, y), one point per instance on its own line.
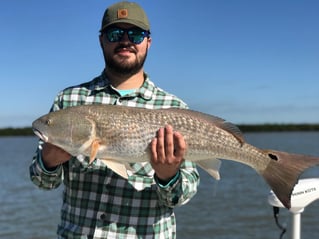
(124, 57)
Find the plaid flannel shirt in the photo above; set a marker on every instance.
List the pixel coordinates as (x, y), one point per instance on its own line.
(97, 203)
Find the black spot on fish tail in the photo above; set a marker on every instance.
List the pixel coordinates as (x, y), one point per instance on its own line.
(283, 171)
(273, 157)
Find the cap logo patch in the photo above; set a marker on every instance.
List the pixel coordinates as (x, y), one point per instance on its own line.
(122, 13)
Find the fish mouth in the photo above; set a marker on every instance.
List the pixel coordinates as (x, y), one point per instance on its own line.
(40, 135)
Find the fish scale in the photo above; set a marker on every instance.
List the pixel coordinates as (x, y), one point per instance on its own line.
(134, 137)
(123, 134)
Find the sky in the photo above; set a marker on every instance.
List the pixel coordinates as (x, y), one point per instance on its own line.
(247, 61)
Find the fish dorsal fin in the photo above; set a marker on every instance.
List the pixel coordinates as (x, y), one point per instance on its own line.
(234, 130)
(219, 122)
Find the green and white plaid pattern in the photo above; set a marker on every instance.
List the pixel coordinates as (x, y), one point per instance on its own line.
(97, 203)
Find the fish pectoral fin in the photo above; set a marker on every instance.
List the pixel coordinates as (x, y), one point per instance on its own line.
(94, 149)
(118, 168)
(211, 166)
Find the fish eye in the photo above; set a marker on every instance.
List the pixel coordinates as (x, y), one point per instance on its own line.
(48, 122)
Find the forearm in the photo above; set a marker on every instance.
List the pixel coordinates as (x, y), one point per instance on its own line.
(42, 176)
(181, 190)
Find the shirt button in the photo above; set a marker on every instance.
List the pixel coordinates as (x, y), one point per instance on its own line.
(102, 217)
(118, 101)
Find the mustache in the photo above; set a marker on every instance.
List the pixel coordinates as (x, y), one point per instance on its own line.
(125, 46)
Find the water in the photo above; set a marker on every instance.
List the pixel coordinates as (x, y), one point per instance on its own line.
(25, 211)
(234, 208)
(237, 207)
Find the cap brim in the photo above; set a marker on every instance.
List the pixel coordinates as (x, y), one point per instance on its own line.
(129, 21)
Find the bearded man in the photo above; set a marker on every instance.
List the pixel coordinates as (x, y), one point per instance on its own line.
(98, 203)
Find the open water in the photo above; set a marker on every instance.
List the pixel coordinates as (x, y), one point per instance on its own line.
(236, 207)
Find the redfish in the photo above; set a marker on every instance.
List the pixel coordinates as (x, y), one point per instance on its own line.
(120, 135)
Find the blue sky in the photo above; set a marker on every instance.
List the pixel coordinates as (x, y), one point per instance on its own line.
(245, 61)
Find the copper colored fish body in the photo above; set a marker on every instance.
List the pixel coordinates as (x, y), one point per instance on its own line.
(123, 134)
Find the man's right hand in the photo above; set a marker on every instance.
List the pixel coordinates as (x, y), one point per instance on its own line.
(52, 156)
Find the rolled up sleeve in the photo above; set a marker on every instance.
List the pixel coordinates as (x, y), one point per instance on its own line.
(42, 177)
(181, 188)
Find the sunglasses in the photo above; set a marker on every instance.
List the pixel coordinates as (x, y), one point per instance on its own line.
(135, 35)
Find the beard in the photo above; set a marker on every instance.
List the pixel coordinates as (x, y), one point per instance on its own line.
(121, 66)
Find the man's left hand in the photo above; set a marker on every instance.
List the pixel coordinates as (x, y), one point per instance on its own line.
(167, 153)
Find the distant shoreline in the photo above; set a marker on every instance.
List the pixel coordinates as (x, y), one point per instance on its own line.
(27, 131)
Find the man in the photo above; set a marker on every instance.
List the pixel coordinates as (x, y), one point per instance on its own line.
(98, 203)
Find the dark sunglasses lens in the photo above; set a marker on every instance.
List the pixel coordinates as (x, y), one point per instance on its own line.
(136, 36)
(114, 35)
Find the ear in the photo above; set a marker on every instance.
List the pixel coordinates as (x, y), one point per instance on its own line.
(149, 42)
(101, 41)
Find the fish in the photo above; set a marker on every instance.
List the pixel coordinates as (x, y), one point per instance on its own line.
(120, 135)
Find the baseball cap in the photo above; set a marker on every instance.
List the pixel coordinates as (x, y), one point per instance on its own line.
(125, 12)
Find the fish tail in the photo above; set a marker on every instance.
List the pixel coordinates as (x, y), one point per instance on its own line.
(283, 171)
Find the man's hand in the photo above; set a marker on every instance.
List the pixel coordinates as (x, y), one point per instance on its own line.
(53, 156)
(167, 152)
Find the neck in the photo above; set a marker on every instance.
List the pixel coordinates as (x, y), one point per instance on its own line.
(126, 82)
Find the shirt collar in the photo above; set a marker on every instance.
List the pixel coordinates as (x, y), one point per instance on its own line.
(145, 91)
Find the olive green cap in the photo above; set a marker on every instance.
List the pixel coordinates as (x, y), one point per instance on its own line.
(125, 12)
